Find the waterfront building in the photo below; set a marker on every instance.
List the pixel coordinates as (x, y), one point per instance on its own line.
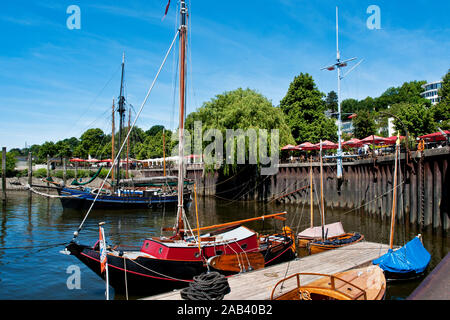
(431, 91)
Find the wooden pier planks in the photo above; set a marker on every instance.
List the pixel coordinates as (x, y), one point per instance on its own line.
(258, 285)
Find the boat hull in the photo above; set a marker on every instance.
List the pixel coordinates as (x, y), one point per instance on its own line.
(80, 199)
(145, 275)
(334, 243)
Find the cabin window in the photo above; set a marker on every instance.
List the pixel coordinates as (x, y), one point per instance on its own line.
(244, 246)
(219, 252)
(160, 250)
(197, 254)
(147, 244)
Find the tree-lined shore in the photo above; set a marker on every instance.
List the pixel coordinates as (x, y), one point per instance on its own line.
(304, 114)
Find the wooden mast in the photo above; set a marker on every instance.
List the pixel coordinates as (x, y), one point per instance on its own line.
(311, 192)
(128, 142)
(164, 152)
(183, 31)
(322, 216)
(112, 142)
(121, 111)
(394, 195)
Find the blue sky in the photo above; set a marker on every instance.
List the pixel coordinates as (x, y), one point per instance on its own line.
(56, 83)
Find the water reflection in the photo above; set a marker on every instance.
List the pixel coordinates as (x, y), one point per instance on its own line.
(34, 230)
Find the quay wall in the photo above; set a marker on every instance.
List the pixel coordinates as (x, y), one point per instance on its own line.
(422, 194)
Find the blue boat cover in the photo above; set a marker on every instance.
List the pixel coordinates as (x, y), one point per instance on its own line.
(411, 257)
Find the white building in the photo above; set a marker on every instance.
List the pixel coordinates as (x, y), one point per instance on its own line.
(431, 91)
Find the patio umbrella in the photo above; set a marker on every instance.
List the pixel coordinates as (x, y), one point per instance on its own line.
(289, 147)
(436, 136)
(307, 146)
(327, 145)
(393, 139)
(353, 143)
(77, 160)
(373, 139)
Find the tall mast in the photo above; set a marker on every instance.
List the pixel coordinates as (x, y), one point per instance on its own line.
(121, 111)
(338, 60)
(311, 192)
(322, 215)
(112, 140)
(338, 65)
(183, 33)
(128, 142)
(394, 195)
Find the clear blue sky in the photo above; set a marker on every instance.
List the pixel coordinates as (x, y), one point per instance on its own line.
(55, 83)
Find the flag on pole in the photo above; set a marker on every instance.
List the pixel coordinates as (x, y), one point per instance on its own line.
(102, 244)
(167, 9)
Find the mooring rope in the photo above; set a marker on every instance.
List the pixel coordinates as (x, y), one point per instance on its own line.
(28, 187)
(207, 286)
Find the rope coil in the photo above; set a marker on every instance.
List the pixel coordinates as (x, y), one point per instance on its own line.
(207, 286)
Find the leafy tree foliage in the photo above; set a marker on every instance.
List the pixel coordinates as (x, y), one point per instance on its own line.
(331, 101)
(416, 117)
(304, 108)
(364, 125)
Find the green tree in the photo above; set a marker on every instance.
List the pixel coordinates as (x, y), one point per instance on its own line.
(331, 101)
(92, 141)
(240, 109)
(10, 164)
(416, 117)
(47, 148)
(363, 124)
(304, 108)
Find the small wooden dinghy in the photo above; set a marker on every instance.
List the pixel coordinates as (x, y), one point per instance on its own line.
(334, 242)
(366, 283)
(239, 262)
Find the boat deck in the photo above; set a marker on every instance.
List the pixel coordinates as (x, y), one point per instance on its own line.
(258, 284)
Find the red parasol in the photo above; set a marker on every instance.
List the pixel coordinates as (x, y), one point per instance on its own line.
(436, 136)
(393, 139)
(289, 147)
(77, 160)
(353, 143)
(373, 139)
(306, 146)
(327, 145)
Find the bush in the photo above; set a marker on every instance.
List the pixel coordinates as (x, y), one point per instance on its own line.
(40, 173)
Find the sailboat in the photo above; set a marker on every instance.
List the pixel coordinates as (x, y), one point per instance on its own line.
(327, 243)
(315, 233)
(409, 261)
(123, 193)
(164, 263)
(367, 283)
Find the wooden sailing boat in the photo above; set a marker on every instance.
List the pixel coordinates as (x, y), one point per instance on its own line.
(366, 283)
(314, 233)
(123, 193)
(325, 242)
(411, 260)
(163, 263)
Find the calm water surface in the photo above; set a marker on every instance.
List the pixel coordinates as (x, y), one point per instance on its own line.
(34, 231)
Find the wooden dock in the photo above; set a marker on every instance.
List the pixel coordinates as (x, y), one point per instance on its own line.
(258, 284)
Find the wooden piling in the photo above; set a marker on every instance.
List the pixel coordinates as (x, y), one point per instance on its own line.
(4, 173)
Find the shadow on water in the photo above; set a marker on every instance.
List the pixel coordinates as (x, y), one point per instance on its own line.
(34, 231)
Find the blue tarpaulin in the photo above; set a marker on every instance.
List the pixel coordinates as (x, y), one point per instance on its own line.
(411, 257)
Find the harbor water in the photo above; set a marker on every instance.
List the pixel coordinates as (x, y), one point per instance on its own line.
(34, 231)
